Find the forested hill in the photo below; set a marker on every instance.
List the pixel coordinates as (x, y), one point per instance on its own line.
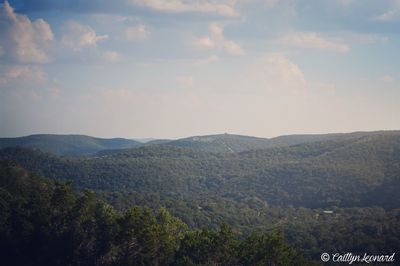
(229, 143)
(345, 173)
(355, 179)
(223, 143)
(43, 222)
(68, 144)
(81, 145)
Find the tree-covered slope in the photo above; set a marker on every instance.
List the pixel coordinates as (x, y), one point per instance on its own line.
(43, 222)
(229, 143)
(340, 173)
(68, 144)
(223, 143)
(289, 140)
(289, 188)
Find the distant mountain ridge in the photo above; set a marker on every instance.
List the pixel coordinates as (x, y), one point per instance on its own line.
(78, 145)
(222, 143)
(355, 172)
(354, 177)
(68, 144)
(230, 143)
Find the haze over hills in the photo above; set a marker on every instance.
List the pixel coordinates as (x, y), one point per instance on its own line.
(227, 143)
(78, 145)
(342, 172)
(237, 94)
(68, 144)
(224, 143)
(287, 184)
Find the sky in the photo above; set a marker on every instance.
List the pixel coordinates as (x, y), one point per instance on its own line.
(176, 68)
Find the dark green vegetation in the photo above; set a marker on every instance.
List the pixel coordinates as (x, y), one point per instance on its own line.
(43, 222)
(78, 145)
(285, 186)
(228, 143)
(351, 173)
(224, 143)
(68, 144)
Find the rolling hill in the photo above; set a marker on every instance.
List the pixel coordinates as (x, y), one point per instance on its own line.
(68, 144)
(355, 177)
(222, 143)
(77, 145)
(342, 173)
(229, 143)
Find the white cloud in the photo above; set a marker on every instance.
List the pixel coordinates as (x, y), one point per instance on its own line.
(276, 74)
(17, 75)
(387, 78)
(31, 73)
(218, 40)
(313, 40)
(111, 56)
(24, 40)
(203, 61)
(185, 81)
(205, 42)
(280, 73)
(136, 33)
(78, 36)
(232, 47)
(391, 15)
(220, 7)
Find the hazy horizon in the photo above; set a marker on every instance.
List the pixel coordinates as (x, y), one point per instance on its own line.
(173, 69)
(145, 139)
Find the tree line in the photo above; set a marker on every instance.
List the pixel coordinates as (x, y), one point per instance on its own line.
(43, 222)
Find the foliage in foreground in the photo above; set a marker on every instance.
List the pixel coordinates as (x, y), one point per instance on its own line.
(42, 222)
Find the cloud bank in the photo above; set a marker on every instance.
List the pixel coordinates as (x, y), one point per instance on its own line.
(23, 40)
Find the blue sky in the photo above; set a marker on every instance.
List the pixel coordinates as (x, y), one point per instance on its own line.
(174, 68)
